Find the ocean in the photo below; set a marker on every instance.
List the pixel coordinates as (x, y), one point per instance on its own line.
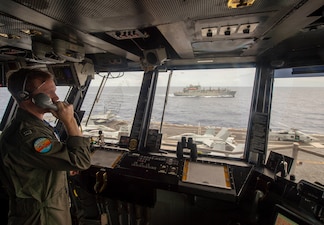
(299, 107)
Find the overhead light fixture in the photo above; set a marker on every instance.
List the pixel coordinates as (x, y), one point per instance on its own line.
(239, 3)
(205, 61)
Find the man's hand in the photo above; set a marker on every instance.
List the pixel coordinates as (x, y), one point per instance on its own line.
(65, 114)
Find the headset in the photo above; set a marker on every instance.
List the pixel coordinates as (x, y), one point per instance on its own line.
(41, 100)
(23, 95)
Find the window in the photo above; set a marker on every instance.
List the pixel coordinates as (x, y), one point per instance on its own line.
(5, 96)
(112, 110)
(297, 118)
(210, 106)
(214, 112)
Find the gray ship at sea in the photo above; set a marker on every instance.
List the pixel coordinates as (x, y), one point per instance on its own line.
(198, 91)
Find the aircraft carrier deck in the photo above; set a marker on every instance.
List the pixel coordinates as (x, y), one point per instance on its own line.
(310, 160)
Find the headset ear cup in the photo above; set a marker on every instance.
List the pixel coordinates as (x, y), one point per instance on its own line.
(23, 95)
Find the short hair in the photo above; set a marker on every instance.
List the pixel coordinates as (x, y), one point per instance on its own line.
(26, 80)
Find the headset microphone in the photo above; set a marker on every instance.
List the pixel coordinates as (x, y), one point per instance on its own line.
(44, 101)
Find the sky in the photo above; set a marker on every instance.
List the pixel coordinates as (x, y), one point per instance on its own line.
(205, 78)
(243, 77)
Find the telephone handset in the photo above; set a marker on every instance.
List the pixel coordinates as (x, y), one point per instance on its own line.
(44, 101)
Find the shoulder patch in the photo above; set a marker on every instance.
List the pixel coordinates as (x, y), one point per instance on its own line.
(42, 145)
(27, 132)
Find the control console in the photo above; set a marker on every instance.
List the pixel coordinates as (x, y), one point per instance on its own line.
(113, 171)
(150, 167)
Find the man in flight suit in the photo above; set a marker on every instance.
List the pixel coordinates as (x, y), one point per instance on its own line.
(33, 161)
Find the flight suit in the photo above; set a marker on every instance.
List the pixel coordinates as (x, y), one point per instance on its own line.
(33, 167)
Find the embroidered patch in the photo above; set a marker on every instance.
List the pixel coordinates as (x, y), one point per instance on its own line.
(43, 145)
(27, 132)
